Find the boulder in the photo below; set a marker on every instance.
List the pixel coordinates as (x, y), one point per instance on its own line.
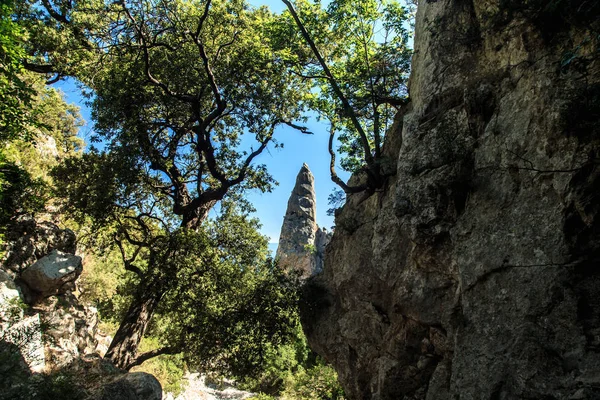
(53, 274)
(132, 386)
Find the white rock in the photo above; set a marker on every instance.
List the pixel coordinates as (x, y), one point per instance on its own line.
(9, 293)
(26, 335)
(49, 274)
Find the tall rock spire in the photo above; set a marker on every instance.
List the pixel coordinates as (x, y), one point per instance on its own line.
(302, 242)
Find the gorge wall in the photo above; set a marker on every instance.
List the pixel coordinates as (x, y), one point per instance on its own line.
(475, 273)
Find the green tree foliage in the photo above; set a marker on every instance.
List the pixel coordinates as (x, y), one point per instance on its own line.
(220, 301)
(316, 383)
(292, 371)
(358, 58)
(15, 93)
(26, 158)
(194, 91)
(65, 37)
(18, 192)
(31, 118)
(230, 306)
(188, 94)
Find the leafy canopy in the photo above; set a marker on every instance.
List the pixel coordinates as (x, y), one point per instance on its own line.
(194, 91)
(187, 95)
(15, 94)
(357, 56)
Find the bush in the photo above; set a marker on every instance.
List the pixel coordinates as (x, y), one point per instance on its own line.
(19, 192)
(316, 383)
(294, 372)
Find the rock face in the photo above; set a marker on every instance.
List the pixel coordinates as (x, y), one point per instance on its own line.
(23, 340)
(474, 273)
(69, 328)
(72, 327)
(301, 242)
(8, 291)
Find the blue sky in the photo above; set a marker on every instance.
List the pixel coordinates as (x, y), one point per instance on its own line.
(283, 164)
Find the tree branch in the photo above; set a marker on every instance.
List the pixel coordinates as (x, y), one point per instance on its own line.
(151, 78)
(39, 68)
(221, 104)
(55, 79)
(211, 162)
(225, 45)
(126, 261)
(348, 110)
(138, 360)
(242, 174)
(393, 101)
(53, 13)
(334, 177)
(301, 128)
(309, 76)
(202, 18)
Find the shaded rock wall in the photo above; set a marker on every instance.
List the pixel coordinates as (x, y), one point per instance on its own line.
(475, 274)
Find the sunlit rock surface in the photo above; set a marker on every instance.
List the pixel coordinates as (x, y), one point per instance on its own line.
(53, 274)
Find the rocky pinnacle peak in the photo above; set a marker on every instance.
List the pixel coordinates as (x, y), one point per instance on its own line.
(299, 232)
(302, 199)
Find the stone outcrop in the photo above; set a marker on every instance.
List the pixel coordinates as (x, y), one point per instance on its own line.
(69, 327)
(22, 343)
(301, 242)
(72, 327)
(8, 292)
(29, 240)
(474, 273)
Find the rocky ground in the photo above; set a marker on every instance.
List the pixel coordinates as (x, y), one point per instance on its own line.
(197, 387)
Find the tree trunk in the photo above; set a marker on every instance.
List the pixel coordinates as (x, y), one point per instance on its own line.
(123, 348)
(122, 351)
(193, 219)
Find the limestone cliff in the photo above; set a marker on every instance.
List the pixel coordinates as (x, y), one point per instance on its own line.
(475, 273)
(301, 242)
